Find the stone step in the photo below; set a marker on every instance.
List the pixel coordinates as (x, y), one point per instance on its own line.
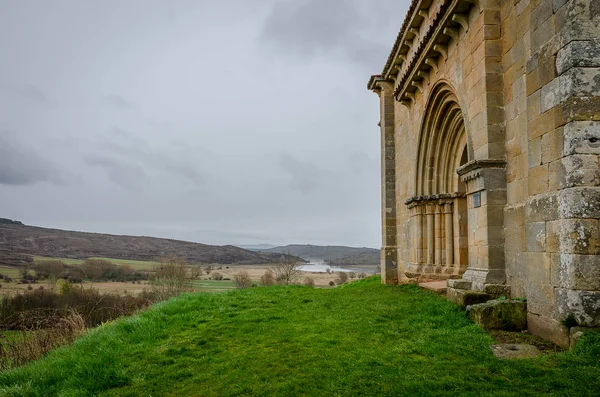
(435, 286)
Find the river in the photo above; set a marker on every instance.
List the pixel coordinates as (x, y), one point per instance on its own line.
(320, 266)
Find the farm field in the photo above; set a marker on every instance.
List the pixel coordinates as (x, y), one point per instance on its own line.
(362, 338)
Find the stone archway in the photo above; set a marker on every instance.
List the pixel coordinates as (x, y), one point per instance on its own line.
(439, 215)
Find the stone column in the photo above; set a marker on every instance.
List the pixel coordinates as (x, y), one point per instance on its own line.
(419, 234)
(449, 233)
(430, 233)
(438, 235)
(389, 250)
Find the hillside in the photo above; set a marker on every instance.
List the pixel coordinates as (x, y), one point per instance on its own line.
(362, 339)
(335, 255)
(17, 239)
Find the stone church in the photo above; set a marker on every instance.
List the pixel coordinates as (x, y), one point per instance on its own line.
(490, 132)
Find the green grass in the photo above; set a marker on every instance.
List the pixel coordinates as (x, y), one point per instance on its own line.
(12, 272)
(213, 285)
(362, 339)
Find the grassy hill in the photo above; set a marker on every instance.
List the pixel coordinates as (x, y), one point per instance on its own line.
(360, 339)
(336, 255)
(17, 239)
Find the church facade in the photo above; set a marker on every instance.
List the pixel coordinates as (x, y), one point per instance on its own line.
(490, 132)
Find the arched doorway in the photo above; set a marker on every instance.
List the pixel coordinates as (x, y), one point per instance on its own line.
(440, 227)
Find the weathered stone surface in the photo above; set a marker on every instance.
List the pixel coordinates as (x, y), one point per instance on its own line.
(584, 306)
(510, 351)
(459, 284)
(465, 298)
(579, 203)
(582, 137)
(548, 328)
(499, 314)
(578, 54)
(497, 290)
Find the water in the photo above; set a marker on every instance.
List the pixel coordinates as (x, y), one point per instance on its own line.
(319, 266)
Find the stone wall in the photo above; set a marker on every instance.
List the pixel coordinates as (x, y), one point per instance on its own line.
(551, 89)
(516, 84)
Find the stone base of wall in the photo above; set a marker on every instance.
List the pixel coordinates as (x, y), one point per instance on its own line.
(462, 293)
(423, 271)
(547, 328)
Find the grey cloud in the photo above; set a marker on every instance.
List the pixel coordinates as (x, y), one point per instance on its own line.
(305, 176)
(128, 176)
(361, 162)
(29, 93)
(350, 29)
(118, 102)
(127, 151)
(19, 165)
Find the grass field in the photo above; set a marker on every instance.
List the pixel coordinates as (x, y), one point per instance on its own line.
(137, 265)
(359, 339)
(12, 272)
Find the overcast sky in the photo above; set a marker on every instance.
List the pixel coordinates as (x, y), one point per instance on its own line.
(222, 122)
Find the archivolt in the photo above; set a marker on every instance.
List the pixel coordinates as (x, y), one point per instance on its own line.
(441, 144)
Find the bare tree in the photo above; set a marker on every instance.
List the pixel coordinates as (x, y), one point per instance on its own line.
(171, 277)
(286, 271)
(242, 280)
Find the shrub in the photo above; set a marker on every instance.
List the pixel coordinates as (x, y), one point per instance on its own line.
(332, 283)
(196, 272)
(42, 308)
(30, 346)
(362, 275)
(309, 282)
(171, 277)
(343, 277)
(352, 275)
(268, 278)
(217, 276)
(242, 280)
(49, 268)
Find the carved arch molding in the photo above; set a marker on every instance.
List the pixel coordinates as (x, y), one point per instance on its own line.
(438, 210)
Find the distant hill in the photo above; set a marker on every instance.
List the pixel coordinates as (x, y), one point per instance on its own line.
(256, 247)
(335, 255)
(17, 239)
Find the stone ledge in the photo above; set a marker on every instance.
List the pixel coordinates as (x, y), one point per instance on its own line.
(506, 315)
(465, 298)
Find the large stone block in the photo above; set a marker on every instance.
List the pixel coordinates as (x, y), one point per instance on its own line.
(578, 54)
(499, 314)
(542, 208)
(465, 298)
(584, 306)
(576, 272)
(548, 328)
(579, 202)
(573, 171)
(535, 236)
(579, 82)
(582, 137)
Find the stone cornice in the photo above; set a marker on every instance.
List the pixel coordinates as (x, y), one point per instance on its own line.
(434, 197)
(474, 165)
(423, 45)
